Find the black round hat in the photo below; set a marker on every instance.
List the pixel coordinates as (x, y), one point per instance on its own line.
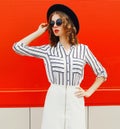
(66, 10)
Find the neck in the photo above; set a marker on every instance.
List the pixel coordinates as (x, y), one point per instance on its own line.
(64, 42)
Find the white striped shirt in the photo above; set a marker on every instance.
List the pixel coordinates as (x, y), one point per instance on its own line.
(63, 68)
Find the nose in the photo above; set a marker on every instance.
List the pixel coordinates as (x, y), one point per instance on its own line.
(55, 25)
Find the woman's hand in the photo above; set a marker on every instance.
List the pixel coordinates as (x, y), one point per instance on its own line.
(42, 28)
(82, 93)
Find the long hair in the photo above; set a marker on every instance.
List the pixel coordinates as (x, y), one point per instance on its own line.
(68, 26)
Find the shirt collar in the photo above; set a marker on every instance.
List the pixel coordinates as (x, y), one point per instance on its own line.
(72, 46)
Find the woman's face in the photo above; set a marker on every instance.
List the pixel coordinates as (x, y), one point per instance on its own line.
(57, 25)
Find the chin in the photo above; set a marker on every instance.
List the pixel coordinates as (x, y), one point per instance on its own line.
(56, 34)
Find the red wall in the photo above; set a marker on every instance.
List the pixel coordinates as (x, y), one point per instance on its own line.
(23, 80)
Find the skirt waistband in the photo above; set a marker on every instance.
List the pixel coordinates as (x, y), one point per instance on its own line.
(64, 85)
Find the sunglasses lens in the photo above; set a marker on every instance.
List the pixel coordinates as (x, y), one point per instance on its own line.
(52, 23)
(59, 22)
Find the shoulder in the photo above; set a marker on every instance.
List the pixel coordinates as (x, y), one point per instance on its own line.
(82, 46)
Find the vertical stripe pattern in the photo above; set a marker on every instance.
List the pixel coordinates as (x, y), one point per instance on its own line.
(63, 68)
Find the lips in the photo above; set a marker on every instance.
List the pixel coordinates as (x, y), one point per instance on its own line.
(56, 31)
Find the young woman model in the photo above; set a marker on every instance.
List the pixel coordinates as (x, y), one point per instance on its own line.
(65, 60)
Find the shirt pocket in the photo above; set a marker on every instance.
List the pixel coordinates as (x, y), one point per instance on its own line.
(57, 64)
(78, 65)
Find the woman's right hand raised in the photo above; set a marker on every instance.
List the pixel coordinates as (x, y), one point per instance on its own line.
(42, 28)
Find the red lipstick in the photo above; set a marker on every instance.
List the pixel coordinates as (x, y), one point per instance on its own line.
(56, 31)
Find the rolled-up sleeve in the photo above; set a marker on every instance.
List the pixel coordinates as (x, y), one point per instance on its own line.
(97, 67)
(34, 51)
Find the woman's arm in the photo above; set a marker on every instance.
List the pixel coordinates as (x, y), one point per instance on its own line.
(82, 93)
(21, 47)
(28, 39)
(98, 69)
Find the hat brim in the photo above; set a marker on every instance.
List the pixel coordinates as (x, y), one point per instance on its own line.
(66, 10)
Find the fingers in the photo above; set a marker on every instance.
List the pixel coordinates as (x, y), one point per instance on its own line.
(42, 28)
(44, 25)
(80, 92)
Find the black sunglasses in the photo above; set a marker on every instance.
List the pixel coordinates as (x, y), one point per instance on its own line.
(58, 22)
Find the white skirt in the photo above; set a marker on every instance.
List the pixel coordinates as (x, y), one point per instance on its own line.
(63, 110)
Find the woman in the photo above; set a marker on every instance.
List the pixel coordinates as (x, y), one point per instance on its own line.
(65, 60)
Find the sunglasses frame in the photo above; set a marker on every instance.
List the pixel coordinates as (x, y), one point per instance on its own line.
(58, 22)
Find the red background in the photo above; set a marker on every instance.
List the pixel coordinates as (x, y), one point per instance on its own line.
(23, 80)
